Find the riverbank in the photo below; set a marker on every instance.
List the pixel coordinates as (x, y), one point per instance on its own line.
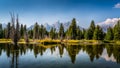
(49, 41)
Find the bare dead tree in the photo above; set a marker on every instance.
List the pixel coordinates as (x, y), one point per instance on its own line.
(15, 32)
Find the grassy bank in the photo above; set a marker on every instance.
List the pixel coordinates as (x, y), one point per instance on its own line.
(50, 41)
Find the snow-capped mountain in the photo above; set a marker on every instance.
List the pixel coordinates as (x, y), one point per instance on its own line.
(55, 25)
(48, 27)
(110, 22)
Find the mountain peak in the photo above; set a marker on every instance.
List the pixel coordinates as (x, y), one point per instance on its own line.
(109, 22)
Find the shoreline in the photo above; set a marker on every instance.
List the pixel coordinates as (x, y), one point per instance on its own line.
(49, 41)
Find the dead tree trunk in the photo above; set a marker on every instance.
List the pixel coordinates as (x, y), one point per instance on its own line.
(15, 32)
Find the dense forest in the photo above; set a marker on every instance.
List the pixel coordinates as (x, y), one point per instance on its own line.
(16, 31)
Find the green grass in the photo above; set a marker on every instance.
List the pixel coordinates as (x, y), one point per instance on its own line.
(50, 41)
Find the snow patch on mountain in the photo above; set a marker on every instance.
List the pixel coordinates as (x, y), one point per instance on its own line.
(110, 22)
(56, 25)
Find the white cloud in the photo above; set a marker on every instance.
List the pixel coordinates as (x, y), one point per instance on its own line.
(117, 5)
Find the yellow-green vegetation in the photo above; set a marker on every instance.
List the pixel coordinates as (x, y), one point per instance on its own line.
(5, 40)
(71, 41)
(21, 41)
(117, 42)
(48, 46)
(57, 41)
(48, 41)
(74, 42)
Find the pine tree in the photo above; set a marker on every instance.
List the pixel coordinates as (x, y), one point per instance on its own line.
(26, 36)
(52, 33)
(42, 32)
(21, 31)
(61, 31)
(87, 35)
(90, 31)
(83, 33)
(30, 32)
(4, 33)
(98, 33)
(79, 33)
(72, 30)
(36, 31)
(117, 31)
(1, 31)
(7, 32)
(109, 34)
(24, 29)
(68, 33)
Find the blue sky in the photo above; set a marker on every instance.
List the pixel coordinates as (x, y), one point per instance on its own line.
(50, 11)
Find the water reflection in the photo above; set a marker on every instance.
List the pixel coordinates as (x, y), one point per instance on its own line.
(107, 52)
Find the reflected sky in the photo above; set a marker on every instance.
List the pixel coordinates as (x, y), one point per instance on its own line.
(59, 56)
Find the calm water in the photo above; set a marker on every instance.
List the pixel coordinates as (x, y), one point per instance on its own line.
(59, 56)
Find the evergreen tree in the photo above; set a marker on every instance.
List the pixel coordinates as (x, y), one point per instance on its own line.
(36, 31)
(109, 34)
(42, 32)
(24, 29)
(56, 35)
(98, 33)
(86, 35)
(79, 33)
(7, 31)
(30, 32)
(83, 33)
(61, 31)
(1, 31)
(90, 31)
(68, 33)
(26, 36)
(4, 33)
(72, 30)
(117, 31)
(21, 31)
(52, 33)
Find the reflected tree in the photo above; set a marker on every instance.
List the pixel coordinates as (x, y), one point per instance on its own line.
(73, 50)
(93, 51)
(61, 50)
(109, 48)
(36, 52)
(116, 53)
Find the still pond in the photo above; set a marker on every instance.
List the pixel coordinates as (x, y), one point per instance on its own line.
(59, 56)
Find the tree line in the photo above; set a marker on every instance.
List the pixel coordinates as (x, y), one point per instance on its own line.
(15, 31)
